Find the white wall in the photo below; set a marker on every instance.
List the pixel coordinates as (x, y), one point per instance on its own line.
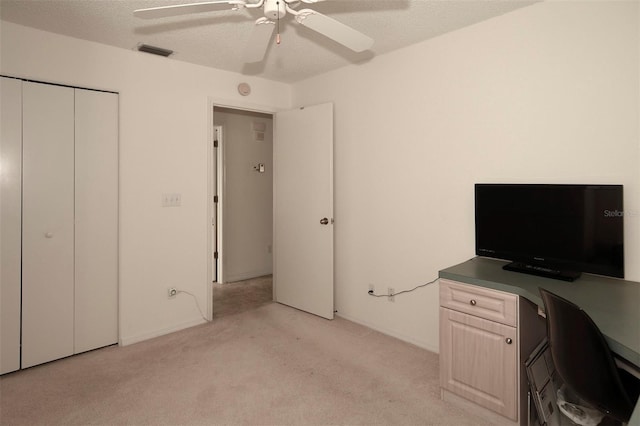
(548, 93)
(164, 113)
(248, 195)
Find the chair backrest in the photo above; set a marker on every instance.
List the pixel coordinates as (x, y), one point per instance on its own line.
(582, 357)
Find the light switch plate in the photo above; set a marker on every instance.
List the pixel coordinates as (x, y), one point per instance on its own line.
(171, 200)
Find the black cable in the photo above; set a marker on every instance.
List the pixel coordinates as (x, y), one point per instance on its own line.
(371, 293)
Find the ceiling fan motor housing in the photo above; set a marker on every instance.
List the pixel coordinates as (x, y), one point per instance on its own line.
(275, 9)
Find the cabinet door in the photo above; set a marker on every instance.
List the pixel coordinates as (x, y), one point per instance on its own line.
(96, 217)
(478, 362)
(47, 219)
(10, 222)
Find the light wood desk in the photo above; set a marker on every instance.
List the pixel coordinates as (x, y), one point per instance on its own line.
(613, 304)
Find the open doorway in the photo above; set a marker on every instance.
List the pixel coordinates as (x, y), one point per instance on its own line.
(242, 220)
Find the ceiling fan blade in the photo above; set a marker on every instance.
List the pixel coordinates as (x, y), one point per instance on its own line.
(259, 40)
(337, 31)
(184, 9)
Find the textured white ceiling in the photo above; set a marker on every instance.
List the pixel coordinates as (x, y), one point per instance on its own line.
(217, 39)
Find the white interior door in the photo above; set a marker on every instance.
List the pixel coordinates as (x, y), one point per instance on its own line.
(10, 222)
(96, 220)
(47, 220)
(303, 209)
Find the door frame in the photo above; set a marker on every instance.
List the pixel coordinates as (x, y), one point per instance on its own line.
(212, 171)
(217, 172)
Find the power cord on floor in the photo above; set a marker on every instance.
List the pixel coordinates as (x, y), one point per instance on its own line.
(371, 292)
(197, 304)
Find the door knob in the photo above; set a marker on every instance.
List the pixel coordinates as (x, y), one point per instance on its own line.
(324, 221)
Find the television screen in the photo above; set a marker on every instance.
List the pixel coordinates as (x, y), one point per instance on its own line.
(553, 230)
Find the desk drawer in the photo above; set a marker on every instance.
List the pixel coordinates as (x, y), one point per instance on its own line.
(481, 302)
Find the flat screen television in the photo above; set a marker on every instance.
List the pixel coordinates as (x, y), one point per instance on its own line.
(557, 231)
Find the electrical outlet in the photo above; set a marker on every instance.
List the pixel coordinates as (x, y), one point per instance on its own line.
(172, 292)
(391, 295)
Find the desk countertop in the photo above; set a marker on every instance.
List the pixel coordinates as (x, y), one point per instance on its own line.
(613, 304)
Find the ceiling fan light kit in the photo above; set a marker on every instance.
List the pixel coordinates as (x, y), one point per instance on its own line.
(273, 9)
(265, 26)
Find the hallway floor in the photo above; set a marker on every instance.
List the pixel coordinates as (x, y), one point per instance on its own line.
(241, 296)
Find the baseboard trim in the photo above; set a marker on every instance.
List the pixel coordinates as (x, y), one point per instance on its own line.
(420, 343)
(124, 341)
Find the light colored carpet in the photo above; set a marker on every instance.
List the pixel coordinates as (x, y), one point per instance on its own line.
(273, 365)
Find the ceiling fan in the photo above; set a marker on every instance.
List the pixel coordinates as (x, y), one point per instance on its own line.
(273, 10)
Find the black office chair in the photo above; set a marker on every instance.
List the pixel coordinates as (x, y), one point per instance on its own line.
(584, 361)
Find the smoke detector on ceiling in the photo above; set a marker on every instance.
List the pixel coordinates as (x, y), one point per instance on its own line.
(244, 89)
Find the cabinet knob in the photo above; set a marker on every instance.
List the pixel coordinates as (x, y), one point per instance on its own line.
(472, 302)
(508, 340)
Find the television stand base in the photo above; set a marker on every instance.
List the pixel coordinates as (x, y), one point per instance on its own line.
(542, 271)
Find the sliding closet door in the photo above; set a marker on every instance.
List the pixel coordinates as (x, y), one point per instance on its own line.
(48, 228)
(96, 209)
(10, 222)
